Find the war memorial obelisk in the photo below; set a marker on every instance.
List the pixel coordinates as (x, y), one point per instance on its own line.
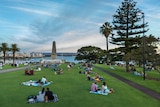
(54, 55)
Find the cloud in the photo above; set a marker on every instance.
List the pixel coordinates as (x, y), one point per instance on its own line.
(71, 23)
(34, 11)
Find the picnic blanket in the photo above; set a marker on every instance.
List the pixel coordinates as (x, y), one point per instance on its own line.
(33, 99)
(98, 92)
(34, 83)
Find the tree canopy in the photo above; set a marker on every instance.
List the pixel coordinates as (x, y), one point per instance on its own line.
(128, 25)
(90, 53)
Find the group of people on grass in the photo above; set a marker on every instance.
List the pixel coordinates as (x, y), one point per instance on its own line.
(135, 72)
(29, 72)
(40, 82)
(89, 73)
(95, 79)
(45, 95)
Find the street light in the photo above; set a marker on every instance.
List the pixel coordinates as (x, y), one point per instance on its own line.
(143, 47)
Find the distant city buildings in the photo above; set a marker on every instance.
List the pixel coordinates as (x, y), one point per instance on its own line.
(34, 54)
(23, 54)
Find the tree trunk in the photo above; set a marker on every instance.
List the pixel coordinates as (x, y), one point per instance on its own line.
(4, 57)
(127, 65)
(107, 48)
(126, 42)
(13, 57)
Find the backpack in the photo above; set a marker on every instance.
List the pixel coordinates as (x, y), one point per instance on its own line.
(31, 99)
(55, 97)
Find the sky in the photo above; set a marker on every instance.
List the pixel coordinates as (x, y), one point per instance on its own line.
(34, 24)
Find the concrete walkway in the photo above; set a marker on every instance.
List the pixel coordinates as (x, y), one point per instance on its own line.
(18, 68)
(143, 89)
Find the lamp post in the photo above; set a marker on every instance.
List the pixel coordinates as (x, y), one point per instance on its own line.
(143, 48)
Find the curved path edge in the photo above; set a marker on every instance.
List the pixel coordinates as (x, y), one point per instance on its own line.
(18, 68)
(143, 89)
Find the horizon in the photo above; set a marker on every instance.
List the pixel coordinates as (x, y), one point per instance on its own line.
(33, 26)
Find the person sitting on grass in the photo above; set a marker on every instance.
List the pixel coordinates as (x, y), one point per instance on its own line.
(44, 80)
(48, 95)
(105, 89)
(31, 72)
(94, 87)
(139, 74)
(26, 72)
(38, 69)
(98, 78)
(89, 78)
(69, 66)
(59, 71)
(40, 96)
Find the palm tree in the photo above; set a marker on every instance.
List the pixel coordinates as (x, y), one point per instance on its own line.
(14, 49)
(4, 48)
(106, 30)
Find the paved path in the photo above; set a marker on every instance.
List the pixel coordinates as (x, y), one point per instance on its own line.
(18, 68)
(143, 89)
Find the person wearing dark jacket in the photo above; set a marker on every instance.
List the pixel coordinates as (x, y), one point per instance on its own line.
(48, 95)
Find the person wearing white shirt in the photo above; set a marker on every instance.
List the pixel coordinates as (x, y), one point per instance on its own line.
(43, 80)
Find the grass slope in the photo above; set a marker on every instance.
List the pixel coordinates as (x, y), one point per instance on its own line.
(72, 89)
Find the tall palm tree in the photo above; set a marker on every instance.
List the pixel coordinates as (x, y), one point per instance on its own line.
(14, 49)
(4, 48)
(106, 30)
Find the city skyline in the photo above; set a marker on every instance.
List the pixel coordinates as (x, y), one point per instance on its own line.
(33, 26)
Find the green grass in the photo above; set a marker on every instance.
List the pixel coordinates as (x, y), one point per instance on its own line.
(72, 89)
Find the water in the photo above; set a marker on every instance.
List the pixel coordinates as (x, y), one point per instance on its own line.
(66, 58)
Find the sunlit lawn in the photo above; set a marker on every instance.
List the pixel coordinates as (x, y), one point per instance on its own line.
(72, 89)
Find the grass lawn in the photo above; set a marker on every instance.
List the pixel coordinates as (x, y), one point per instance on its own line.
(72, 89)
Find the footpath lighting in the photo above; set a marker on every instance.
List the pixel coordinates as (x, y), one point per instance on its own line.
(143, 49)
(143, 45)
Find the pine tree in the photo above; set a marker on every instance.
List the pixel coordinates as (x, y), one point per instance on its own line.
(128, 25)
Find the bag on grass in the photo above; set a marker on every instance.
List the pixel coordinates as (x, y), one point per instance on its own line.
(31, 99)
(55, 97)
